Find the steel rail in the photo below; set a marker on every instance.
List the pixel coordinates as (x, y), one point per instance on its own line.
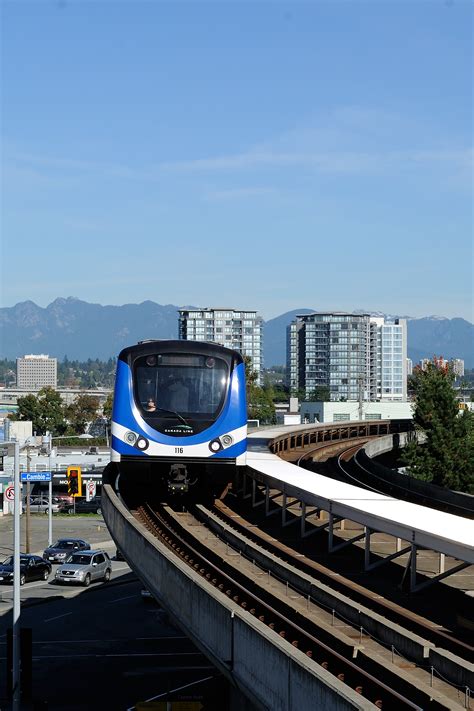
(270, 610)
(410, 621)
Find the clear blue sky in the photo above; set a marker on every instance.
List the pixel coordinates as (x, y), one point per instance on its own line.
(252, 154)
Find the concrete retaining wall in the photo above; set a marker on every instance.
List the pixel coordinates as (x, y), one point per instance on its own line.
(426, 493)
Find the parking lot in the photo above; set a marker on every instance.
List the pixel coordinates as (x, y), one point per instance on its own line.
(85, 637)
(90, 527)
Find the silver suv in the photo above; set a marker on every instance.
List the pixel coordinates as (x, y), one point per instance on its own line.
(84, 567)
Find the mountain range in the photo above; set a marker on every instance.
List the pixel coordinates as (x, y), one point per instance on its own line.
(81, 330)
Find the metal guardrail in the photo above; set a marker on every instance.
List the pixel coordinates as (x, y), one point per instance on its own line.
(310, 437)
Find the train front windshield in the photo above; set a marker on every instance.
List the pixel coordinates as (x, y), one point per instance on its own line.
(189, 384)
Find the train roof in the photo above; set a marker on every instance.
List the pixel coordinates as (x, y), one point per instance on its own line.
(178, 346)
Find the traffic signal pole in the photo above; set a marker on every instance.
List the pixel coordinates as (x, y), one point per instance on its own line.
(28, 510)
(50, 505)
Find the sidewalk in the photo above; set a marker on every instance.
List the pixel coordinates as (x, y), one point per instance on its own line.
(91, 528)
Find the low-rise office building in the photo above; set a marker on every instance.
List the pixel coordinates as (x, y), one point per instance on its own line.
(350, 411)
(9, 396)
(36, 371)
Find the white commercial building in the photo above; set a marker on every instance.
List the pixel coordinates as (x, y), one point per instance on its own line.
(36, 372)
(240, 330)
(350, 411)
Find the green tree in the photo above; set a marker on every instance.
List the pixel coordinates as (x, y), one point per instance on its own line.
(300, 393)
(28, 409)
(89, 374)
(51, 412)
(46, 412)
(446, 458)
(260, 406)
(108, 405)
(7, 371)
(259, 401)
(280, 393)
(319, 394)
(81, 411)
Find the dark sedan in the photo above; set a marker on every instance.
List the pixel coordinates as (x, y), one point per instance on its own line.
(32, 567)
(63, 548)
(83, 506)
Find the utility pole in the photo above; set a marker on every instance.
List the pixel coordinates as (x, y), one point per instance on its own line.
(361, 396)
(50, 491)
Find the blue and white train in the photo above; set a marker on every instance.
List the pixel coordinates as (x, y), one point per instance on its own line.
(179, 417)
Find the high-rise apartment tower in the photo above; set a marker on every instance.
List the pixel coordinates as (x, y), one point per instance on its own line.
(354, 356)
(240, 330)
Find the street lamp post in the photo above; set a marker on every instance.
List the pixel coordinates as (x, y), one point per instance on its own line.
(16, 580)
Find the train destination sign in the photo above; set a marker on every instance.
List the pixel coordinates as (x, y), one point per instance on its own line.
(35, 476)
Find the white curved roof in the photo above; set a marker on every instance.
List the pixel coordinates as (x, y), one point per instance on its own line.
(428, 528)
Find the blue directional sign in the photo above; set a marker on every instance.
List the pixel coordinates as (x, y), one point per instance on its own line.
(35, 476)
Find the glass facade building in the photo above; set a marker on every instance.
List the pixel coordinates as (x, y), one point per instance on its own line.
(354, 356)
(240, 330)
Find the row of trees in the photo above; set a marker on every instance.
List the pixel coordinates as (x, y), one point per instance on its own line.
(48, 413)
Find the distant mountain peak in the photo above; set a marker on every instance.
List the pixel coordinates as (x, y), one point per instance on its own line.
(81, 330)
(430, 318)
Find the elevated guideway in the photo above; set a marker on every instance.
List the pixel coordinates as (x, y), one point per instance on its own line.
(265, 671)
(421, 526)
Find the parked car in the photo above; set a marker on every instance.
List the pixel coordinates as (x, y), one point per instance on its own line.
(40, 504)
(63, 548)
(84, 567)
(32, 567)
(64, 498)
(83, 506)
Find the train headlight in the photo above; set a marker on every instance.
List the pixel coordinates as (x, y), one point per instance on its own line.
(227, 440)
(142, 443)
(130, 437)
(215, 445)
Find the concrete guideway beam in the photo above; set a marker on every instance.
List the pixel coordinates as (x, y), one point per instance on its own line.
(230, 637)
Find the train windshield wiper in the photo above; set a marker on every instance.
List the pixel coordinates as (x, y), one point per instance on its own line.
(173, 412)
